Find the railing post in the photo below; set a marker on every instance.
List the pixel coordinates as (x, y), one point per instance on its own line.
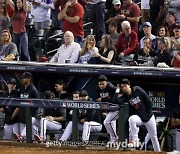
(123, 127)
(28, 124)
(75, 120)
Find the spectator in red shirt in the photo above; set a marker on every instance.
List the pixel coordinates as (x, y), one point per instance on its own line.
(127, 42)
(72, 15)
(130, 12)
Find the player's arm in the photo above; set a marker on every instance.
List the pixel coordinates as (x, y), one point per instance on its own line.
(15, 113)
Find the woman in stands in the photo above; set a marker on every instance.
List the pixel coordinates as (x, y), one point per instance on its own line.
(88, 49)
(4, 18)
(20, 37)
(8, 50)
(107, 52)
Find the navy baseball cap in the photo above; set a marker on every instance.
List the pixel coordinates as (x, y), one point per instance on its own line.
(148, 24)
(125, 81)
(11, 81)
(60, 82)
(83, 93)
(102, 78)
(26, 75)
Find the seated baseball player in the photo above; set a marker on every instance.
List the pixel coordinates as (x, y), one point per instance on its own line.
(89, 121)
(51, 119)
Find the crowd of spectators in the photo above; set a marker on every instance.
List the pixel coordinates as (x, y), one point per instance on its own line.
(120, 29)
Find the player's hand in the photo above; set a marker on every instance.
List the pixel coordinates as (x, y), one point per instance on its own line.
(98, 99)
(50, 118)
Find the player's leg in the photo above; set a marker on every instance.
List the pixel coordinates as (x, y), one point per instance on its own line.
(7, 132)
(48, 125)
(111, 126)
(152, 130)
(178, 139)
(134, 123)
(89, 127)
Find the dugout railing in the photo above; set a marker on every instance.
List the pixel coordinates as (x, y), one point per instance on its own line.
(75, 105)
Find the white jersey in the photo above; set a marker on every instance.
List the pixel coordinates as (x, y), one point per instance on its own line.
(43, 12)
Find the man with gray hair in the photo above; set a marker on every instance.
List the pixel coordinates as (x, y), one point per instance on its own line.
(127, 42)
(68, 52)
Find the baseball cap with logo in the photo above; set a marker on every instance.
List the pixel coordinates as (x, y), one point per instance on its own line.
(60, 82)
(11, 81)
(116, 2)
(26, 75)
(148, 24)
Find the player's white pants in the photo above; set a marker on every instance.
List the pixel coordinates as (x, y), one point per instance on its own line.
(178, 140)
(9, 130)
(110, 124)
(86, 128)
(134, 123)
(146, 140)
(43, 124)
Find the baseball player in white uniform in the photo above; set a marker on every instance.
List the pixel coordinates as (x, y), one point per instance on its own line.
(89, 121)
(140, 111)
(105, 92)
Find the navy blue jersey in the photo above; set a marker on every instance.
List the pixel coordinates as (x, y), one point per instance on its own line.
(106, 94)
(29, 92)
(10, 109)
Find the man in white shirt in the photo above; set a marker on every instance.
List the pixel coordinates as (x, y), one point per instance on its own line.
(145, 11)
(68, 52)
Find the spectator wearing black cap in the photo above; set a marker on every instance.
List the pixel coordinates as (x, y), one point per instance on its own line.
(11, 119)
(105, 92)
(141, 113)
(27, 91)
(89, 121)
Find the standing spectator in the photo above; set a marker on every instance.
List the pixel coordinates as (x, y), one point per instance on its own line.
(147, 28)
(4, 18)
(174, 6)
(140, 112)
(130, 12)
(127, 42)
(72, 15)
(41, 11)
(67, 51)
(28, 91)
(8, 50)
(11, 119)
(175, 123)
(113, 27)
(157, 11)
(88, 49)
(145, 11)
(163, 55)
(98, 17)
(7, 6)
(20, 37)
(107, 52)
(115, 11)
(89, 121)
(105, 92)
(170, 22)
